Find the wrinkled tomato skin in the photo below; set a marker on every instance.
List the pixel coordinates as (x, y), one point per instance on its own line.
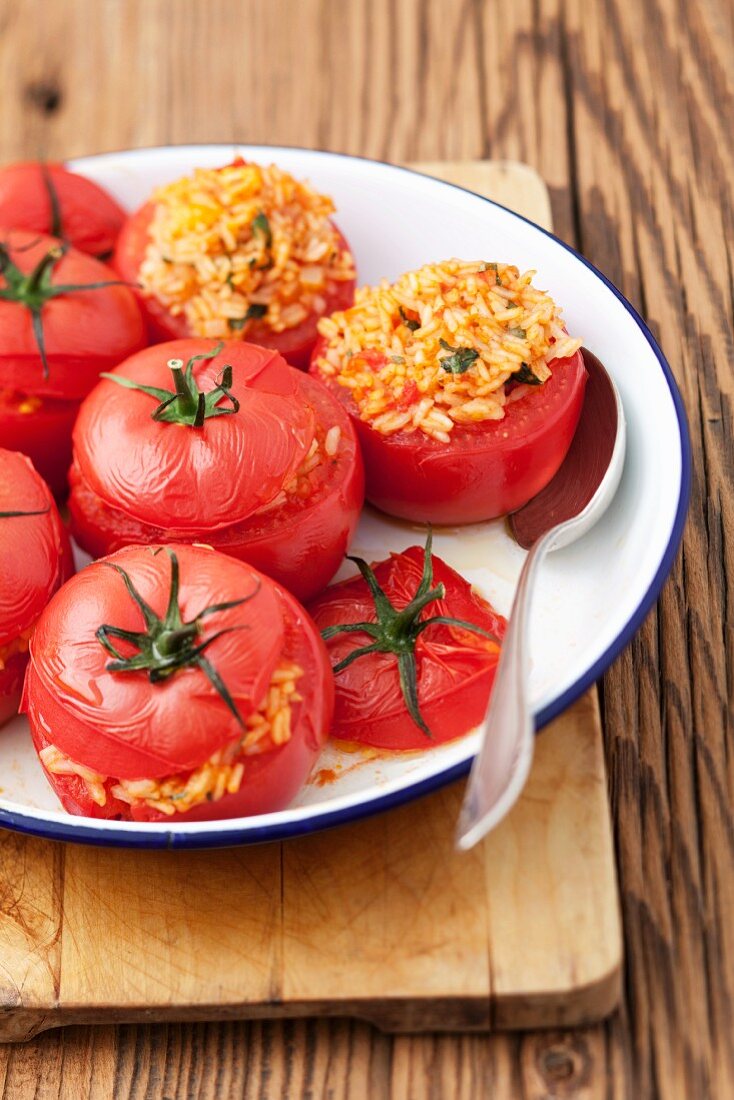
(300, 544)
(43, 434)
(90, 217)
(84, 332)
(295, 344)
(485, 471)
(272, 778)
(11, 685)
(35, 560)
(455, 670)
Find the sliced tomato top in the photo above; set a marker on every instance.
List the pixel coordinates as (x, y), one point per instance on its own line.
(34, 549)
(368, 690)
(89, 217)
(84, 331)
(195, 479)
(294, 344)
(122, 724)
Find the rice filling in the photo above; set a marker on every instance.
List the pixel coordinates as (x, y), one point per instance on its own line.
(244, 243)
(446, 344)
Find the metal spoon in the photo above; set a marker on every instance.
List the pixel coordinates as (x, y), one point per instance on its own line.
(565, 510)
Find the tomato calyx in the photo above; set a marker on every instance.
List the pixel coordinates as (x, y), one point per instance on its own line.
(186, 404)
(168, 644)
(397, 630)
(38, 512)
(53, 201)
(35, 289)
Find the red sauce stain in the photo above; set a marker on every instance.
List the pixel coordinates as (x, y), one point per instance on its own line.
(324, 776)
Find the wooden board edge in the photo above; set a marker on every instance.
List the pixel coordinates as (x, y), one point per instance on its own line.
(581, 1006)
(586, 1005)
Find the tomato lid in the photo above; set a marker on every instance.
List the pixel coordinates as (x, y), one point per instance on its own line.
(30, 545)
(193, 479)
(64, 317)
(125, 723)
(48, 198)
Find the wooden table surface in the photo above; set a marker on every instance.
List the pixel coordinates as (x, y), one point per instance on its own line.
(627, 111)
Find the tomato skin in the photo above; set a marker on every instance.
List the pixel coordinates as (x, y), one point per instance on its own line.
(455, 668)
(300, 544)
(85, 332)
(42, 433)
(295, 344)
(485, 471)
(35, 559)
(30, 577)
(11, 685)
(127, 727)
(90, 217)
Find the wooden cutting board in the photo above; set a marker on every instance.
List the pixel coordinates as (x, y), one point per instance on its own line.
(380, 919)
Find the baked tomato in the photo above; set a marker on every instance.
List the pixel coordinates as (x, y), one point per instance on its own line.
(463, 385)
(40, 427)
(176, 684)
(223, 444)
(35, 558)
(269, 265)
(63, 319)
(414, 651)
(49, 199)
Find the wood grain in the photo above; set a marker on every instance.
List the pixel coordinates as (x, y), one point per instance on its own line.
(627, 112)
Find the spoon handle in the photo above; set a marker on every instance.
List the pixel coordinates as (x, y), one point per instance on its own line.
(501, 767)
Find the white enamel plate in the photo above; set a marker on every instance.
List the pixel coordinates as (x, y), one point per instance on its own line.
(591, 597)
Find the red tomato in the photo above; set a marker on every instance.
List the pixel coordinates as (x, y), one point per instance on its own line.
(135, 479)
(41, 429)
(488, 469)
(35, 558)
(84, 331)
(123, 725)
(11, 684)
(294, 344)
(455, 667)
(87, 217)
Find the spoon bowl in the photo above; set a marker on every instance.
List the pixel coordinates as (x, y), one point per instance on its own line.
(573, 501)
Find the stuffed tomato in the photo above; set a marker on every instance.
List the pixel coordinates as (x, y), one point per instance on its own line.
(51, 200)
(463, 385)
(223, 444)
(35, 558)
(414, 650)
(241, 251)
(176, 683)
(64, 318)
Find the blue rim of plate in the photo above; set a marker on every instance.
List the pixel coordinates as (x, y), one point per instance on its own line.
(254, 834)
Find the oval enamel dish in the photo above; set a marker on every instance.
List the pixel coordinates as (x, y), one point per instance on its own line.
(591, 597)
